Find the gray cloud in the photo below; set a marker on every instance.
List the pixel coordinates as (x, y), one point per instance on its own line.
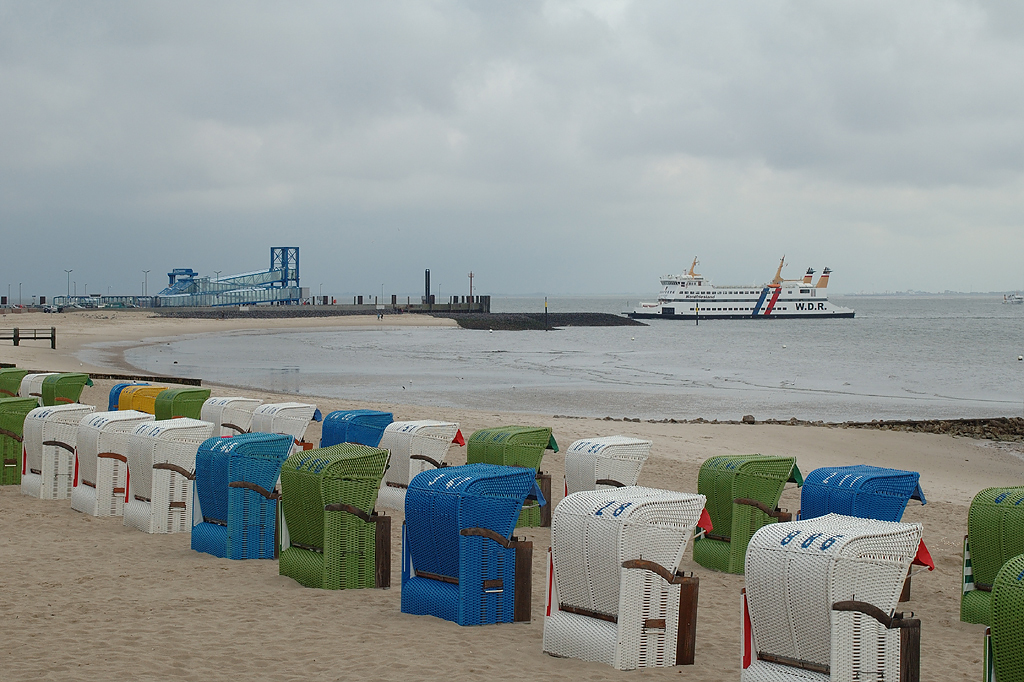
(555, 147)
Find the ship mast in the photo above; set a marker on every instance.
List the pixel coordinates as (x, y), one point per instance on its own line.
(692, 267)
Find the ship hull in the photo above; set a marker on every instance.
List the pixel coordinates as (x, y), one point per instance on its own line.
(712, 316)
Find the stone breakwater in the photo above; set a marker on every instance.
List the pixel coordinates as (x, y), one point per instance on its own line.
(530, 321)
(999, 428)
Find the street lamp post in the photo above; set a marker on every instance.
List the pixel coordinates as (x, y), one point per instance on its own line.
(217, 272)
(145, 283)
(68, 301)
(19, 294)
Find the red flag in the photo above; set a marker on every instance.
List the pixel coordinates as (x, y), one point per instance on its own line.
(459, 438)
(705, 521)
(924, 557)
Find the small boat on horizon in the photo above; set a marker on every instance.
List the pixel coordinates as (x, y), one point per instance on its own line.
(692, 297)
(1013, 299)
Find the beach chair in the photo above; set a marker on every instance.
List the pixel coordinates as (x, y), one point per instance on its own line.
(600, 463)
(354, 426)
(32, 386)
(615, 595)
(517, 446)
(62, 389)
(459, 559)
(140, 397)
(332, 537)
(180, 402)
(1004, 640)
(229, 416)
(291, 419)
(115, 394)
(743, 494)
(415, 447)
(10, 381)
(995, 534)
(48, 457)
(12, 424)
(161, 468)
(864, 491)
(235, 512)
(819, 602)
(101, 461)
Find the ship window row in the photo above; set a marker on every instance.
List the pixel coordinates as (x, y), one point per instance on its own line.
(736, 309)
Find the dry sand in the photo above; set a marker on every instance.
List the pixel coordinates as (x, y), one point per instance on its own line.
(87, 599)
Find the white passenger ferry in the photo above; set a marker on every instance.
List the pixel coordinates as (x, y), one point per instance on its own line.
(690, 296)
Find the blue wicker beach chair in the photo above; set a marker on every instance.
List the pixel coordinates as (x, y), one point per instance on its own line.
(364, 427)
(235, 513)
(459, 559)
(863, 491)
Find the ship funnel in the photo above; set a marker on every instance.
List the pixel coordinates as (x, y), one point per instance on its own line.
(823, 280)
(807, 277)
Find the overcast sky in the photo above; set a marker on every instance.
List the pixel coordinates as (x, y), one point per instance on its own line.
(550, 147)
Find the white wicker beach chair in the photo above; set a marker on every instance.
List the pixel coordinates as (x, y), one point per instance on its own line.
(229, 416)
(161, 468)
(291, 419)
(599, 463)
(820, 597)
(614, 589)
(48, 455)
(101, 463)
(32, 386)
(415, 447)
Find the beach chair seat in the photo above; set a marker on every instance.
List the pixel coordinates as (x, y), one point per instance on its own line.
(743, 494)
(867, 492)
(415, 446)
(820, 597)
(180, 402)
(63, 389)
(1004, 640)
(229, 416)
(139, 397)
(615, 594)
(354, 426)
(995, 534)
(291, 419)
(332, 537)
(235, 512)
(10, 381)
(113, 399)
(517, 446)
(601, 463)
(32, 386)
(12, 437)
(459, 559)
(48, 454)
(161, 468)
(101, 461)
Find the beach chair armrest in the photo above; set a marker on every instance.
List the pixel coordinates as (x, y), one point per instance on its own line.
(609, 481)
(487, 533)
(430, 460)
(774, 513)
(671, 577)
(351, 509)
(255, 488)
(176, 469)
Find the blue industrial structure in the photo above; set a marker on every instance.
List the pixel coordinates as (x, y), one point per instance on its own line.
(277, 285)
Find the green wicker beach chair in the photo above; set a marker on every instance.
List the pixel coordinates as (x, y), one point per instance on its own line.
(335, 539)
(743, 494)
(64, 389)
(12, 424)
(517, 446)
(180, 402)
(995, 534)
(10, 381)
(1004, 660)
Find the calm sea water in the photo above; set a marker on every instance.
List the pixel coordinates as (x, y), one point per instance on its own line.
(906, 358)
